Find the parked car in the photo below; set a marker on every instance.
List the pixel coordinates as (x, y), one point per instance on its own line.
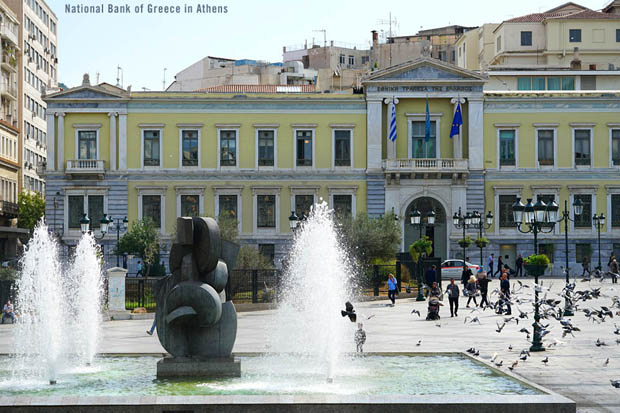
(454, 269)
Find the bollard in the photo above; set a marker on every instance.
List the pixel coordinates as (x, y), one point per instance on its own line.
(254, 286)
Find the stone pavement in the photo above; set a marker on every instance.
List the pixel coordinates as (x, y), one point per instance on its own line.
(575, 369)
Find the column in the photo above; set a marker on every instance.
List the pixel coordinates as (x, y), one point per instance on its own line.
(112, 116)
(373, 131)
(61, 141)
(476, 141)
(122, 141)
(51, 142)
(391, 146)
(457, 140)
(116, 293)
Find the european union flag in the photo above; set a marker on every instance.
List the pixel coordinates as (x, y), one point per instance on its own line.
(457, 121)
(427, 126)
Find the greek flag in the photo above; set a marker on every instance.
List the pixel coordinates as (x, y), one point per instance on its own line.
(427, 126)
(457, 121)
(393, 123)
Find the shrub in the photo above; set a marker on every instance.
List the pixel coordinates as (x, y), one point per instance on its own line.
(8, 274)
(421, 248)
(482, 242)
(537, 259)
(250, 258)
(465, 242)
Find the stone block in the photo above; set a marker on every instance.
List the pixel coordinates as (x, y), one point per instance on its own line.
(217, 367)
(185, 231)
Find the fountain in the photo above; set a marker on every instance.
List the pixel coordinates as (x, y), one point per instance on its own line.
(310, 365)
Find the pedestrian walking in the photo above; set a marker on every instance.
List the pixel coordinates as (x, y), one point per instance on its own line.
(505, 290)
(453, 297)
(483, 283)
(519, 266)
(491, 261)
(392, 288)
(500, 265)
(140, 271)
(613, 269)
(585, 263)
(472, 290)
(152, 329)
(611, 258)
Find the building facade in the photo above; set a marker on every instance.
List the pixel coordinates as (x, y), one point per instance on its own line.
(261, 156)
(37, 74)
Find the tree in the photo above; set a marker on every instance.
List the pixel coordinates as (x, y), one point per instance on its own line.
(369, 238)
(250, 258)
(142, 239)
(229, 227)
(30, 207)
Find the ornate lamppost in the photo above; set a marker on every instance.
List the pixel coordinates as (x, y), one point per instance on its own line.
(85, 226)
(475, 221)
(538, 218)
(577, 210)
(121, 225)
(462, 222)
(599, 221)
(415, 218)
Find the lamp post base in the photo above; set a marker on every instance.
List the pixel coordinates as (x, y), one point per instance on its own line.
(568, 310)
(420, 296)
(537, 347)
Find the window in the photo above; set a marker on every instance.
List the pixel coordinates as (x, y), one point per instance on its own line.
(499, 43)
(151, 147)
(538, 83)
(506, 218)
(420, 147)
(546, 249)
(351, 60)
(582, 250)
(588, 82)
(189, 143)
(190, 205)
(615, 146)
(266, 211)
(268, 251)
(342, 142)
(80, 204)
(574, 35)
(615, 210)
(304, 148)
(228, 205)
(617, 35)
(303, 204)
(343, 205)
(342, 59)
(87, 144)
(554, 83)
(545, 147)
(151, 209)
(526, 38)
(507, 147)
(266, 147)
(582, 147)
(228, 148)
(585, 219)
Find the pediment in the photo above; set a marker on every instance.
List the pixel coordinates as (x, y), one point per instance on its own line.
(85, 92)
(424, 69)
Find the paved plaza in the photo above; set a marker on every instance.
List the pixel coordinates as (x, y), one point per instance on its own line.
(576, 366)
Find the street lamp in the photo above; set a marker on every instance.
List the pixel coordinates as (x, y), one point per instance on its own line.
(120, 225)
(539, 218)
(598, 222)
(473, 220)
(85, 226)
(577, 210)
(415, 218)
(293, 221)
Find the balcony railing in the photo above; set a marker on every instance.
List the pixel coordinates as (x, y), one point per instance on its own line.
(85, 166)
(425, 165)
(8, 33)
(8, 209)
(9, 90)
(8, 62)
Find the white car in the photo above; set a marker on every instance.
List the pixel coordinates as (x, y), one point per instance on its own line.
(454, 269)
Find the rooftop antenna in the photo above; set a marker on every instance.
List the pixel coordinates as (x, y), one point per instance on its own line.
(164, 82)
(119, 77)
(324, 36)
(145, 88)
(97, 77)
(389, 23)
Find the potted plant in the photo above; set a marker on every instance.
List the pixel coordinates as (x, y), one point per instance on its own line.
(422, 247)
(536, 264)
(465, 242)
(482, 242)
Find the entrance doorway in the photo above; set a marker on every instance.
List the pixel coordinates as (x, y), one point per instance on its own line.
(436, 233)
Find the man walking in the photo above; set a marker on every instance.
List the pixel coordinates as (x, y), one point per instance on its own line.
(585, 263)
(519, 266)
(491, 259)
(505, 289)
(453, 297)
(500, 265)
(613, 269)
(483, 282)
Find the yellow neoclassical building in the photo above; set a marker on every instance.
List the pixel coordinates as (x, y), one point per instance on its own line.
(260, 155)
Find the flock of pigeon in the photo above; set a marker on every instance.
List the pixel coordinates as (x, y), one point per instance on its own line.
(551, 310)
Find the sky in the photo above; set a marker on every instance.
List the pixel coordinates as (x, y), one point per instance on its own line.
(143, 44)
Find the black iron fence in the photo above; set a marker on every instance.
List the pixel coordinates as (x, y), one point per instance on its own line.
(255, 286)
(139, 292)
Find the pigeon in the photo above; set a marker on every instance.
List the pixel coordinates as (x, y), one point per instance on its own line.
(606, 362)
(494, 356)
(600, 343)
(360, 338)
(477, 353)
(617, 329)
(545, 360)
(524, 330)
(418, 343)
(615, 383)
(500, 363)
(416, 312)
(349, 312)
(473, 320)
(513, 365)
(471, 350)
(510, 347)
(500, 328)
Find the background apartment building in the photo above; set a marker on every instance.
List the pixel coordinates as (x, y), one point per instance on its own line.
(38, 73)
